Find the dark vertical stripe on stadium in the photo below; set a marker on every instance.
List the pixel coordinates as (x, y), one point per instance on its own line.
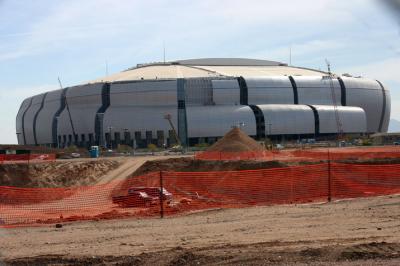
(105, 103)
(57, 115)
(316, 119)
(343, 91)
(383, 113)
(182, 119)
(36, 116)
(258, 114)
(260, 121)
(244, 91)
(295, 91)
(23, 120)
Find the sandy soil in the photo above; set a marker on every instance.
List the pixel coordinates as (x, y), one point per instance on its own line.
(189, 164)
(131, 165)
(356, 232)
(56, 174)
(72, 172)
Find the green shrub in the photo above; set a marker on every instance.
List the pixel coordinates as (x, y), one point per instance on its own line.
(202, 145)
(152, 147)
(123, 148)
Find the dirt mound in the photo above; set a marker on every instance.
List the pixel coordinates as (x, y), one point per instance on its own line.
(236, 141)
(55, 174)
(190, 165)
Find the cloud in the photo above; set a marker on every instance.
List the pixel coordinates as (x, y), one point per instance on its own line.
(58, 34)
(75, 23)
(386, 70)
(10, 99)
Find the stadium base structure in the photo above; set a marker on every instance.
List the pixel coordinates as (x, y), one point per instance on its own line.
(205, 98)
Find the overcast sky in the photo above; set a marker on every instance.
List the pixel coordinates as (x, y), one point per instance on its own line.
(43, 39)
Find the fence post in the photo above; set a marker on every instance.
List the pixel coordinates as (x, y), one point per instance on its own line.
(161, 196)
(329, 178)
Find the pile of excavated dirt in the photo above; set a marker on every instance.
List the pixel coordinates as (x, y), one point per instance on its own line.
(378, 161)
(191, 165)
(55, 174)
(188, 164)
(236, 141)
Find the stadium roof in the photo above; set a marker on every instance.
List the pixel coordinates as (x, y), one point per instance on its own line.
(209, 67)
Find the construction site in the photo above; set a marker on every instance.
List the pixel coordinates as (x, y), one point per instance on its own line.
(215, 166)
(255, 206)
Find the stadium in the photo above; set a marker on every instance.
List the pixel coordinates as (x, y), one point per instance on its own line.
(204, 98)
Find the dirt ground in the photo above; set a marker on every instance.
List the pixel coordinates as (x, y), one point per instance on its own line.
(75, 172)
(353, 232)
(188, 164)
(56, 174)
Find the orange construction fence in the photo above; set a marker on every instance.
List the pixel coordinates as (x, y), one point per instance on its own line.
(318, 154)
(26, 158)
(171, 193)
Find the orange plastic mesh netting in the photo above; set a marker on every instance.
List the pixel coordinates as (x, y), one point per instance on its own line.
(192, 191)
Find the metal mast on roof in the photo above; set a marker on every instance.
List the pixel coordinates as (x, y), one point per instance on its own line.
(164, 51)
(334, 102)
(69, 113)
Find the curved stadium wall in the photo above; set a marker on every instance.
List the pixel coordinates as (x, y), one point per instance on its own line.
(203, 109)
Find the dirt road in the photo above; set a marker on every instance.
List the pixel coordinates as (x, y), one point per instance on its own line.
(130, 165)
(357, 232)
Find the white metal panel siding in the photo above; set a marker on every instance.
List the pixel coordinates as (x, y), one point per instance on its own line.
(353, 119)
(137, 118)
(198, 92)
(226, 92)
(367, 94)
(282, 119)
(19, 121)
(84, 102)
(146, 93)
(30, 116)
(317, 90)
(386, 120)
(141, 107)
(216, 121)
(44, 120)
(270, 90)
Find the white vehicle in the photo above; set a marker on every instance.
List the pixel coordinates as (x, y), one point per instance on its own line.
(75, 155)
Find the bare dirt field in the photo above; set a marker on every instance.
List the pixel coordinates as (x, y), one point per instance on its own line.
(72, 172)
(354, 232)
(56, 174)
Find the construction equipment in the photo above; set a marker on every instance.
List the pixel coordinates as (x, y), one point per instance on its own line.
(334, 101)
(178, 147)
